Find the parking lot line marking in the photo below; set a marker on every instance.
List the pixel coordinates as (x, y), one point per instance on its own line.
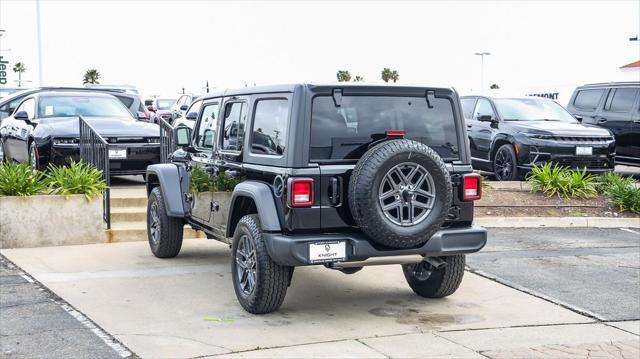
(629, 230)
(139, 273)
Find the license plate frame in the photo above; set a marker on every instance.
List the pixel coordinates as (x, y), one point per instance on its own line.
(584, 151)
(117, 153)
(324, 252)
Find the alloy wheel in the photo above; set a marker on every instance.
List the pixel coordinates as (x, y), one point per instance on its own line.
(406, 194)
(154, 228)
(246, 265)
(503, 165)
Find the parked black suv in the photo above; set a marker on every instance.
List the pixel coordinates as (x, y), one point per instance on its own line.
(616, 107)
(339, 175)
(510, 136)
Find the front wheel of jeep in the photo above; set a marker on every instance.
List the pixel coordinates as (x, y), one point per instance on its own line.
(259, 282)
(164, 232)
(430, 282)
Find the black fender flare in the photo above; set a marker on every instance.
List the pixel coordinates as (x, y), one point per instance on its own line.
(263, 197)
(173, 180)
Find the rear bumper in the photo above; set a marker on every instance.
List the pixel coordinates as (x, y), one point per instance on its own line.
(294, 250)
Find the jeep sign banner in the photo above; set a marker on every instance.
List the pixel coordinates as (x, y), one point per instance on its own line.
(3, 70)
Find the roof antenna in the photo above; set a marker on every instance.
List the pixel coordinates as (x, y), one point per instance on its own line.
(337, 97)
(426, 96)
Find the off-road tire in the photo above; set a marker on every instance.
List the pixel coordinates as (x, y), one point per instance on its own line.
(363, 193)
(511, 153)
(171, 228)
(271, 279)
(442, 282)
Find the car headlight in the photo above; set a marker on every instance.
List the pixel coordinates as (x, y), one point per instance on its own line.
(153, 140)
(65, 141)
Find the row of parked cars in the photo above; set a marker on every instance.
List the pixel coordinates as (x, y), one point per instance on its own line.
(507, 136)
(40, 126)
(600, 128)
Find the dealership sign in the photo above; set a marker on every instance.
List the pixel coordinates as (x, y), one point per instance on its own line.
(551, 95)
(3, 70)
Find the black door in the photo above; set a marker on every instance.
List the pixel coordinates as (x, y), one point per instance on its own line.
(617, 115)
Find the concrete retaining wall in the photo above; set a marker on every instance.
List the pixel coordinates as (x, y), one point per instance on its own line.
(42, 221)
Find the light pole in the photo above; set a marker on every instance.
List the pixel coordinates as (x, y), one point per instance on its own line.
(482, 55)
(39, 34)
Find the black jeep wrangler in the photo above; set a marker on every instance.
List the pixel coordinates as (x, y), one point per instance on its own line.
(340, 175)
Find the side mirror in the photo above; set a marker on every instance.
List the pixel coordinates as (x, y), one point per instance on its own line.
(21, 115)
(184, 107)
(192, 116)
(148, 102)
(182, 135)
(485, 118)
(150, 107)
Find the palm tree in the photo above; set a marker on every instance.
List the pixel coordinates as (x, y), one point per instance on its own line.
(395, 76)
(358, 78)
(343, 76)
(19, 68)
(388, 74)
(91, 76)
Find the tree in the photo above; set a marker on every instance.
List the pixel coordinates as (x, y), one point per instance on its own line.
(358, 78)
(388, 74)
(343, 76)
(19, 68)
(494, 87)
(91, 76)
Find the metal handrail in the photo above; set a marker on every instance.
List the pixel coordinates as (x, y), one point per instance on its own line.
(167, 142)
(94, 150)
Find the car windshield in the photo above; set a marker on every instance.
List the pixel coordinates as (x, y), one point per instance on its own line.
(71, 106)
(165, 104)
(345, 132)
(532, 109)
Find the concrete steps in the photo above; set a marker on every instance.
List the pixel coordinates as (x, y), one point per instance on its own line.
(129, 216)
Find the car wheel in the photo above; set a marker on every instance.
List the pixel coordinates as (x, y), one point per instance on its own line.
(164, 232)
(400, 193)
(505, 165)
(259, 282)
(429, 282)
(2, 158)
(33, 159)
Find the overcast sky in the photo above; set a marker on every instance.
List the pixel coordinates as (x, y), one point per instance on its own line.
(162, 46)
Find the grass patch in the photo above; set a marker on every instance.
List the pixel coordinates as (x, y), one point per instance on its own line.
(621, 191)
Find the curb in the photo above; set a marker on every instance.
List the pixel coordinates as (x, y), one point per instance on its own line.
(510, 185)
(556, 222)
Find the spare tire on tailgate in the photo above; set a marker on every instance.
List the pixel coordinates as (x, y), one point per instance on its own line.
(400, 193)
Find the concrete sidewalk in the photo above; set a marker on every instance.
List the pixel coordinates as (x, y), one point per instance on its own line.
(185, 307)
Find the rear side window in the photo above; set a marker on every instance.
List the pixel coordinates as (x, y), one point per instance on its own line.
(467, 107)
(233, 126)
(588, 99)
(126, 101)
(270, 123)
(621, 100)
(345, 132)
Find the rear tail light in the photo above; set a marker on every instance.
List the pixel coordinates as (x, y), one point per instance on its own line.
(301, 192)
(471, 187)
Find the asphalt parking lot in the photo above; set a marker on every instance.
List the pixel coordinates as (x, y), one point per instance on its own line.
(591, 270)
(185, 307)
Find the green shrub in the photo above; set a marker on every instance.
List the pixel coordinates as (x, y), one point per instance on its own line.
(621, 190)
(554, 180)
(20, 180)
(78, 178)
(611, 179)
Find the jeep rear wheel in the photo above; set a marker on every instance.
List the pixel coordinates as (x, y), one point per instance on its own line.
(427, 281)
(400, 193)
(260, 283)
(164, 232)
